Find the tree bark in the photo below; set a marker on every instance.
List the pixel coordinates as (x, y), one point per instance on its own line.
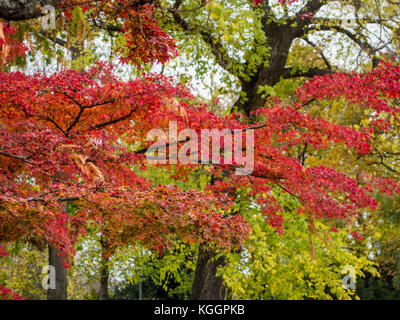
(104, 271)
(280, 38)
(24, 9)
(60, 292)
(206, 285)
(104, 276)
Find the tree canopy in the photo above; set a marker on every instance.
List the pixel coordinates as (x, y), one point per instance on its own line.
(303, 165)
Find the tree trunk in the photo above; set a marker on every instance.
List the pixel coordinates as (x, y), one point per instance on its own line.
(24, 9)
(206, 285)
(104, 275)
(280, 38)
(60, 292)
(104, 271)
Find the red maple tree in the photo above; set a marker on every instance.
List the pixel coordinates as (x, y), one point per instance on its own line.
(67, 137)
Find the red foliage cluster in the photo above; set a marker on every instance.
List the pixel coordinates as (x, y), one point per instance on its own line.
(76, 137)
(8, 294)
(3, 251)
(283, 130)
(64, 138)
(357, 236)
(376, 91)
(9, 47)
(369, 90)
(145, 40)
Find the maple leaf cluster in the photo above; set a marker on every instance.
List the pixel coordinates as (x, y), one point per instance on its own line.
(10, 48)
(76, 137)
(8, 294)
(81, 118)
(145, 40)
(281, 130)
(65, 137)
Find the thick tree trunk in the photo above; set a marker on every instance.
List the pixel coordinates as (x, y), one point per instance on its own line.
(104, 271)
(206, 285)
(103, 290)
(280, 38)
(60, 292)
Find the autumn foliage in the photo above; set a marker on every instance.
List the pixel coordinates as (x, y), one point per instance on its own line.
(76, 136)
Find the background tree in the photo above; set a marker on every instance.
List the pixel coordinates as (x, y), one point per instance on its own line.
(252, 42)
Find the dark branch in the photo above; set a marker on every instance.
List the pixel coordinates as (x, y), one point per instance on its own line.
(364, 45)
(23, 158)
(113, 121)
(302, 19)
(218, 50)
(310, 72)
(24, 9)
(328, 65)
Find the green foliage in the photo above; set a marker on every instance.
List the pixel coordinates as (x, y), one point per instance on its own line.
(166, 277)
(374, 288)
(22, 271)
(299, 264)
(235, 24)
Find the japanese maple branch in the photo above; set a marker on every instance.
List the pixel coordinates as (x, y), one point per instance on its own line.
(113, 121)
(289, 72)
(23, 158)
